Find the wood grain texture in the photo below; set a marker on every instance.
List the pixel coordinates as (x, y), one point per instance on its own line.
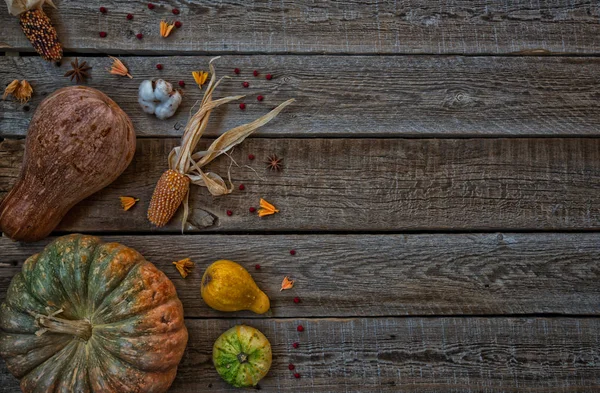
(363, 185)
(381, 275)
(404, 355)
(349, 95)
(304, 26)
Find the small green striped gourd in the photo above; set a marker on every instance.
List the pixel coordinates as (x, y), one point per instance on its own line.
(242, 356)
(88, 317)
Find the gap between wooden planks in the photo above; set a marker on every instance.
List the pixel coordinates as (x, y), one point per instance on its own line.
(363, 185)
(380, 275)
(304, 26)
(390, 96)
(404, 354)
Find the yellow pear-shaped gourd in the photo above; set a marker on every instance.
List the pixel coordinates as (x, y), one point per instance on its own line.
(227, 286)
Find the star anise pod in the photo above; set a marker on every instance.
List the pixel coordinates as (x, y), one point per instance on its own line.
(79, 71)
(274, 163)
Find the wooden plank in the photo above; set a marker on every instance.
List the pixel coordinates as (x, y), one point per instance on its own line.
(405, 354)
(364, 185)
(305, 26)
(350, 95)
(382, 275)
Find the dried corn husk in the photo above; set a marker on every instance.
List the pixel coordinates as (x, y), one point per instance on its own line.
(17, 7)
(183, 159)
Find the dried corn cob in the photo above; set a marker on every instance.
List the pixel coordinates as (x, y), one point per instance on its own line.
(37, 27)
(170, 191)
(39, 31)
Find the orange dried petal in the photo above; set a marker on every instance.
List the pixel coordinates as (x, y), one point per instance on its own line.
(128, 202)
(200, 77)
(184, 267)
(11, 88)
(166, 28)
(287, 283)
(118, 68)
(266, 208)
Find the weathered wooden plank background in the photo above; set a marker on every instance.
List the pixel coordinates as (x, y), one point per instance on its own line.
(405, 354)
(305, 26)
(440, 186)
(350, 95)
(365, 185)
(382, 275)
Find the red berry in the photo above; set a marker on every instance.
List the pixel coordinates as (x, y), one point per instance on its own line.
(150, 6)
(246, 84)
(178, 24)
(175, 11)
(129, 16)
(255, 73)
(182, 83)
(139, 36)
(242, 106)
(103, 34)
(251, 156)
(297, 375)
(159, 66)
(291, 366)
(257, 266)
(296, 345)
(260, 98)
(296, 300)
(237, 71)
(252, 209)
(242, 187)
(292, 252)
(300, 328)
(229, 213)
(103, 10)
(269, 77)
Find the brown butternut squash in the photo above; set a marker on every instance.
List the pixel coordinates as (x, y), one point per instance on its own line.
(79, 141)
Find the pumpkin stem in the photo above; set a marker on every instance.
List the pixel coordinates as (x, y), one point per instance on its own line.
(50, 323)
(242, 357)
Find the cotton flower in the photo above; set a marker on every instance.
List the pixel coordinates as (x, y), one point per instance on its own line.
(159, 98)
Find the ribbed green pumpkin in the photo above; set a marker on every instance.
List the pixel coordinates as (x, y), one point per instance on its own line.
(85, 316)
(242, 356)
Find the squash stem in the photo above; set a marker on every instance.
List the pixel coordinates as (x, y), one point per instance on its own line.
(50, 323)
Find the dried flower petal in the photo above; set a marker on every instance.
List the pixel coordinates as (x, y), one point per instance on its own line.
(22, 91)
(166, 28)
(128, 202)
(118, 68)
(266, 208)
(287, 283)
(11, 88)
(184, 267)
(200, 77)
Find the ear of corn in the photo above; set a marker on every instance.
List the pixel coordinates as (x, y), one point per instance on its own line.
(39, 31)
(170, 191)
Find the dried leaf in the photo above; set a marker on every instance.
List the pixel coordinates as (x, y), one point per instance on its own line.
(118, 68)
(266, 208)
(128, 202)
(287, 283)
(236, 135)
(166, 28)
(184, 267)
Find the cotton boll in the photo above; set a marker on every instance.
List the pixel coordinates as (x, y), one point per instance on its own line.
(163, 90)
(147, 106)
(168, 108)
(146, 91)
(159, 98)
